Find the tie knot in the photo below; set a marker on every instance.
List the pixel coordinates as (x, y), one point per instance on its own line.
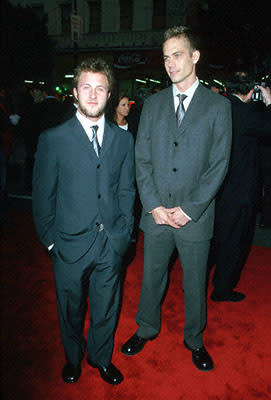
(182, 97)
(94, 129)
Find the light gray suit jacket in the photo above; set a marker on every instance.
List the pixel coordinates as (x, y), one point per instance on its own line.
(183, 166)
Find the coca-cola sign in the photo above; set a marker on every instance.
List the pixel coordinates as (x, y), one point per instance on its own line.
(127, 60)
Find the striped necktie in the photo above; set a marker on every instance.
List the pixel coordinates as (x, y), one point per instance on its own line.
(180, 110)
(95, 142)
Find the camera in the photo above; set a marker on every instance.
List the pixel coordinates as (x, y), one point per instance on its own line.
(257, 94)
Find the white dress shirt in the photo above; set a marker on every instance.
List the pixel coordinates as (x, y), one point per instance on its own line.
(189, 93)
(87, 124)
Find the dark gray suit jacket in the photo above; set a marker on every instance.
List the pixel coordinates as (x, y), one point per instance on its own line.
(74, 191)
(183, 166)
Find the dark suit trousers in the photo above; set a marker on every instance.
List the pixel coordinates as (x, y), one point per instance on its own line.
(158, 248)
(96, 274)
(232, 241)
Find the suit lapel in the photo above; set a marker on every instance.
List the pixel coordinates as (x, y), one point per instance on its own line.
(82, 138)
(166, 118)
(79, 132)
(107, 139)
(193, 109)
(169, 113)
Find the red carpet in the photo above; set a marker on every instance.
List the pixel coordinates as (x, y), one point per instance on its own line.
(238, 336)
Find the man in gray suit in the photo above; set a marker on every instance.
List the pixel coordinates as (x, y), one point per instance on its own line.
(83, 194)
(182, 154)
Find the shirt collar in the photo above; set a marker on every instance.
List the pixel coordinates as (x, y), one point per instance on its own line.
(236, 95)
(87, 124)
(189, 92)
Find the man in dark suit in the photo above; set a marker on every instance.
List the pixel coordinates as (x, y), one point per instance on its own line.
(83, 194)
(236, 200)
(180, 165)
(46, 112)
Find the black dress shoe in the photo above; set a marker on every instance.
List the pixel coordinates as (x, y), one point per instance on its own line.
(200, 357)
(233, 297)
(110, 374)
(71, 374)
(134, 345)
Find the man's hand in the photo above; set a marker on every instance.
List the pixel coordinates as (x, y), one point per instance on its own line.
(162, 216)
(177, 216)
(266, 92)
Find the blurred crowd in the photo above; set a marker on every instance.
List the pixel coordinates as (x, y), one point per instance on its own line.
(26, 111)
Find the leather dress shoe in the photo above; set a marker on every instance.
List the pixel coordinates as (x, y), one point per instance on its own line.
(110, 374)
(71, 374)
(200, 357)
(133, 345)
(234, 296)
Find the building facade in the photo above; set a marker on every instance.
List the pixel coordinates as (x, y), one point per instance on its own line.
(128, 33)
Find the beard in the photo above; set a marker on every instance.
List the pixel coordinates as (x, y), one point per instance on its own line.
(91, 114)
(96, 113)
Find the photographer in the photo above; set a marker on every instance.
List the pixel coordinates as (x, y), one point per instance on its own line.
(265, 161)
(263, 126)
(266, 94)
(236, 201)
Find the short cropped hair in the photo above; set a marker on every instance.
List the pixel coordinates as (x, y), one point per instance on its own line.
(191, 36)
(239, 84)
(94, 64)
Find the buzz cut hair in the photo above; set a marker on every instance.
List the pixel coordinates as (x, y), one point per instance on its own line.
(190, 35)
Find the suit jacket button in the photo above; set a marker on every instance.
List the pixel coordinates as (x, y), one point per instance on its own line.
(99, 196)
(98, 166)
(176, 144)
(174, 170)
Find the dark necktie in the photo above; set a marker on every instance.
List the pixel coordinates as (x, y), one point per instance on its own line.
(180, 110)
(95, 142)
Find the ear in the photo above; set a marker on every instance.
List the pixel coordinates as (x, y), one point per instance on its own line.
(108, 95)
(75, 93)
(195, 56)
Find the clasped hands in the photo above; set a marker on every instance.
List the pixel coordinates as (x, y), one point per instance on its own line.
(170, 216)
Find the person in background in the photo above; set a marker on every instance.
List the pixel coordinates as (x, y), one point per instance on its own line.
(236, 201)
(83, 195)
(120, 116)
(135, 111)
(265, 161)
(5, 144)
(70, 107)
(216, 87)
(182, 153)
(45, 112)
(121, 111)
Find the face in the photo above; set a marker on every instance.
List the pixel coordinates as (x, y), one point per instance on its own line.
(180, 62)
(214, 89)
(92, 94)
(123, 107)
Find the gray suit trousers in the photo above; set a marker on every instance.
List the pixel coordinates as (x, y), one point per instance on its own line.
(158, 248)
